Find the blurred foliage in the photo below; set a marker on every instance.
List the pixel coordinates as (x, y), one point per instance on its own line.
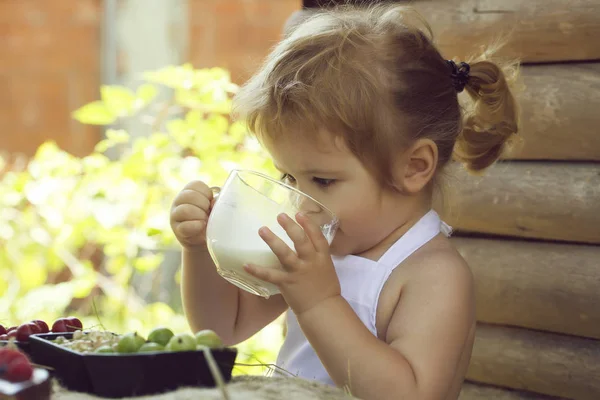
(88, 236)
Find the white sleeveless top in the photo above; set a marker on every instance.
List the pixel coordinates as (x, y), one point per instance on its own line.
(361, 281)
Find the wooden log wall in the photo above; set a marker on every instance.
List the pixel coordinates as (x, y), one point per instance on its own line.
(542, 200)
(534, 30)
(536, 285)
(530, 226)
(540, 362)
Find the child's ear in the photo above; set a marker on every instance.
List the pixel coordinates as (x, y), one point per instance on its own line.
(416, 167)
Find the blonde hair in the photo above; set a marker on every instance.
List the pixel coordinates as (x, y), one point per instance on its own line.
(371, 76)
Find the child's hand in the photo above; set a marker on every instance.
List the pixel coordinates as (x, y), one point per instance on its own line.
(189, 214)
(308, 276)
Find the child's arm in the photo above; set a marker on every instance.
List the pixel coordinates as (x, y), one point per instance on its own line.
(210, 302)
(425, 338)
(424, 343)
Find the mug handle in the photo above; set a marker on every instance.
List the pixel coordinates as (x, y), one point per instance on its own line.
(216, 190)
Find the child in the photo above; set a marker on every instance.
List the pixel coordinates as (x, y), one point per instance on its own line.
(359, 110)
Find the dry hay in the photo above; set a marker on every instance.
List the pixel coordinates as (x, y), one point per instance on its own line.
(240, 388)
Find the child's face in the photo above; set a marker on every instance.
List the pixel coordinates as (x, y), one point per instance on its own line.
(330, 173)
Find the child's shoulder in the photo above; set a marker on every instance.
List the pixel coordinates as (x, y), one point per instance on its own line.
(436, 275)
(437, 261)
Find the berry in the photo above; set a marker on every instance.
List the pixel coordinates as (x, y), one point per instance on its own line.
(42, 325)
(25, 330)
(130, 343)
(74, 324)
(19, 371)
(161, 336)
(151, 347)
(14, 365)
(8, 355)
(60, 326)
(209, 339)
(182, 342)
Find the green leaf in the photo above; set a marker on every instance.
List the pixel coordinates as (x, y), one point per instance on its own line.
(95, 113)
(194, 118)
(94, 163)
(148, 262)
(238, 130)
(158, 311)
(116, 263)
(118, 99)
(146, 92)
(172, 76)
(153, 231)
(180, 132)
(217, 124)
(31, 273)
(83, 285)
(160, 140)
(114, 137)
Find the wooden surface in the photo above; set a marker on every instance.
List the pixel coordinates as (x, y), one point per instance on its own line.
(526, 199)
(540, 30)
(546, 286)
(559, 112)
(475, 391)
(557, 365)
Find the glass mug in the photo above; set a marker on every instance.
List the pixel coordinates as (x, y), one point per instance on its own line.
(248, 201)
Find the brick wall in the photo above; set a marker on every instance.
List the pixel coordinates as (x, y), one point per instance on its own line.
(236, 34)
(49, 66)
(50, 55)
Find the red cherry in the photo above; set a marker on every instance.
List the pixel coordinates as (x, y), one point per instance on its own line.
(12, 328)
(4, 337)
(25, 330)
(19, 371)
(2, 330)
(42, 325)
(35, 328)
(12, 334)
(9, 355)
(74, 324)
(60, 326)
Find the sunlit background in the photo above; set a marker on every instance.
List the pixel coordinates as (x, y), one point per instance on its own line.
(108, 109)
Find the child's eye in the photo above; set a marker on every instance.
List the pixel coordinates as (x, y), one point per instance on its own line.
(287, 178)
(323, 182)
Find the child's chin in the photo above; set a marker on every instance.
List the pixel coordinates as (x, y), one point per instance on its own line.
(336, 250)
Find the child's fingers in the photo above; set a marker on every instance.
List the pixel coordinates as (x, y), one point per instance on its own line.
(271, 275)
(188, 212)
(302, 244)
(313, 232)
(190, 230)
(199, 187)
(286, 256)
(189, 196)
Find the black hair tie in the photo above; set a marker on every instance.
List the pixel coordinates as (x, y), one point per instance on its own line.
(459, 74)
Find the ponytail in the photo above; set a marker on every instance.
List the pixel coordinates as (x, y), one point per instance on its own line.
(492, 121)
